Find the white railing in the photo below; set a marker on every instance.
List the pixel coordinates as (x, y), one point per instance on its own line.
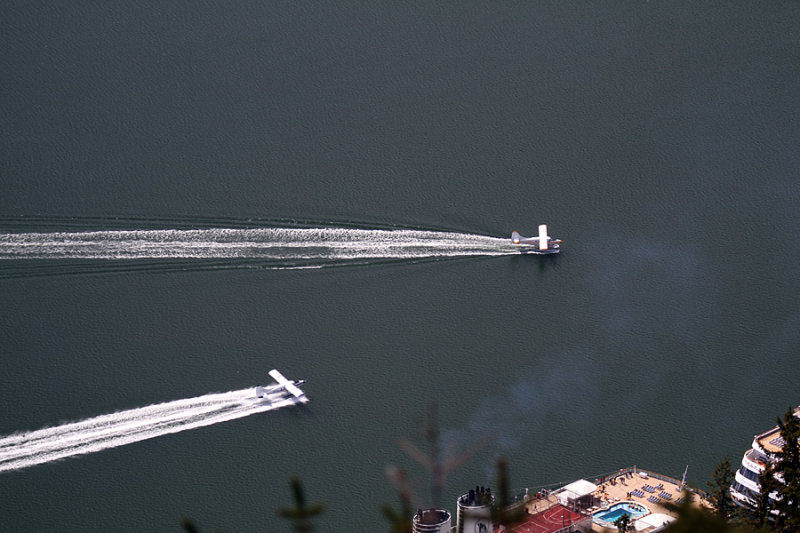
(520, 494)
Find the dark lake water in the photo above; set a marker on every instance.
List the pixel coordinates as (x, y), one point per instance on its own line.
(658, 141)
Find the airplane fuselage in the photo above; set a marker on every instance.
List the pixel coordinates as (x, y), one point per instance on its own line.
(533, 247)
(543, 244)
(284, 385)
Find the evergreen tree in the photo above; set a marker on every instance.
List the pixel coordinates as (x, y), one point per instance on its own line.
(782, 476)
(787, 465)
(502, 515)
(401, 521)
(766, 484)
(300, 514)
(719, 488)
(693, 519)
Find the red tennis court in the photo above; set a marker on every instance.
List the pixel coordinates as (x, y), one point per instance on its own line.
(553, 519)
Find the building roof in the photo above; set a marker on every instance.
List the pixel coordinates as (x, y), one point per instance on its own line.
(654, 520)
(575, 490)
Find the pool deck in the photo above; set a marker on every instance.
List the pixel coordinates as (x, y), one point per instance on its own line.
(545, 514)
(640, 487)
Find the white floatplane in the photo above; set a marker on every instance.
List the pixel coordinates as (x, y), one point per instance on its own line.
(543, 244)
(290, 386)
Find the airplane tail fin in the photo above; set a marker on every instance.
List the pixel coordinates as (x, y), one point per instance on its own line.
(515, 237)
(260, 391)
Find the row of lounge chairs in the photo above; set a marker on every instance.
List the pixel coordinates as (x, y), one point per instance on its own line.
(663, 494)
(651, 489)
(778, 441)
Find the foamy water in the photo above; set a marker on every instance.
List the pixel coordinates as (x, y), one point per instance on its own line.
(23, 450)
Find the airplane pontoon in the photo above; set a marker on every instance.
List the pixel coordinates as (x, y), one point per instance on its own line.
(283, 384)
(543, 244)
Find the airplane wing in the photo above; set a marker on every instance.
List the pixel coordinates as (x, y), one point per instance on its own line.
(543, 243)
(288, 385)
(543, 238)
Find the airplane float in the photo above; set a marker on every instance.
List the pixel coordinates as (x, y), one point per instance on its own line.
(284, 384)
(543, 244)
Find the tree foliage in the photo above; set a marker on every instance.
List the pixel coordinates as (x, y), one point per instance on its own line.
(767, 484)
(300, 514)
(694, 519)
(783, 478)
(719, 488)
(502, 513)
(623, 523)
(401, 521)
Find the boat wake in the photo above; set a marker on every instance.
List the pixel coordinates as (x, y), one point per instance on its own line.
(23, 450)
(29, 254)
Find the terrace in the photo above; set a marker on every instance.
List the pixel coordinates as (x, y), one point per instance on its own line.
(654, 491)
(771, 441)
(548, 512)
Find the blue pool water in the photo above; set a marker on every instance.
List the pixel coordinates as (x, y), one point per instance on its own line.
(611, 514)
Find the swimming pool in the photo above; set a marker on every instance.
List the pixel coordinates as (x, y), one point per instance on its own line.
(610, 515)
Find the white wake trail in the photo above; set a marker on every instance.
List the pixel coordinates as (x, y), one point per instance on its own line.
(285, 244)
(125, 427)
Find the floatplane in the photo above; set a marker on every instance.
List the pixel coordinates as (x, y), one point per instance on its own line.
(283, 384)
(543, 244)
